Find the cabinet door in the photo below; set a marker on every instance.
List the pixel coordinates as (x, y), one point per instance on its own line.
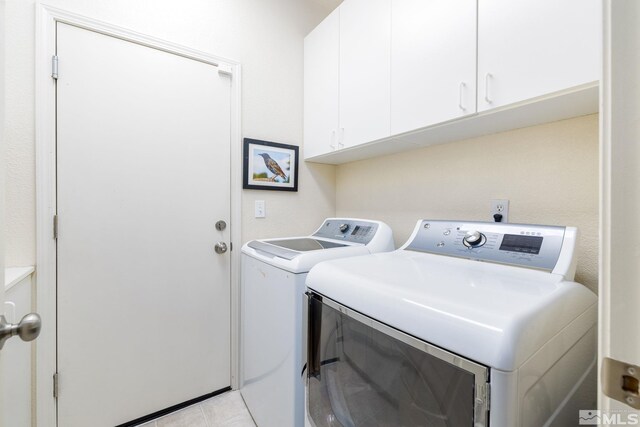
(433, 62)
(528, 48)
(365, 45)
(321, 90)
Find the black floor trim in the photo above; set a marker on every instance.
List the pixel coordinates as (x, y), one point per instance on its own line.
(173, 408)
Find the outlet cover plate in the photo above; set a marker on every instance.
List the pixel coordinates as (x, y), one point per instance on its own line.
(499, 206)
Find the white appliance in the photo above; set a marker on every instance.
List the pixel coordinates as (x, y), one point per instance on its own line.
(273, 296)
(467, 324)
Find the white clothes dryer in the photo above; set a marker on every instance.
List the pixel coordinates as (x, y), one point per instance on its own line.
(468, 324)
(272, 301)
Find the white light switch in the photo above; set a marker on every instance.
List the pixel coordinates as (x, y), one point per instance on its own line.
(260, 209)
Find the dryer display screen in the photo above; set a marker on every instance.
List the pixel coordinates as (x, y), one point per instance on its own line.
(522, 244)
(360, 230)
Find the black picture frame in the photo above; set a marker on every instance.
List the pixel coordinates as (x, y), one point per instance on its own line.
(259, 171)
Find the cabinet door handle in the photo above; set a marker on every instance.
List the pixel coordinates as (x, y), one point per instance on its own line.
(486, 88)
(461, 91)
(341, 139)
(333, 139)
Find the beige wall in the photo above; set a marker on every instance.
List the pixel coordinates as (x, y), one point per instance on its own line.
(265, 36)
(548, 172)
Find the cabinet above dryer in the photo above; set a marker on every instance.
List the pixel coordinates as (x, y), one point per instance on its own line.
(530, 48)
(385, 76)
(433, 62)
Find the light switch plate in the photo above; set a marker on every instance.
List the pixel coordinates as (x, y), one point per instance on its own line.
(260, 211)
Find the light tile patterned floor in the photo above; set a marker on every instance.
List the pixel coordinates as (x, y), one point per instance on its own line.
(226, 410)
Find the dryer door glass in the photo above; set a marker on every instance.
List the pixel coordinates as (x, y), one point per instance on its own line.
(361, 376)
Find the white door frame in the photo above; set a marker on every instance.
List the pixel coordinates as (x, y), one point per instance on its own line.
(619, 203)
(46, 19)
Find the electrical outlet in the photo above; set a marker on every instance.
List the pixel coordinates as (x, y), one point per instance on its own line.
(499, 207)
(261, 211)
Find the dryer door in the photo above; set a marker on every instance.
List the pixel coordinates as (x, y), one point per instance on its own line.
(364, 373)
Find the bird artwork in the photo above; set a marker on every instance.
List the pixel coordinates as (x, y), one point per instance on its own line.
(273, 166)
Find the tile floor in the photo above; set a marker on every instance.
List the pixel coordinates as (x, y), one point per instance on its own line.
(226, 410)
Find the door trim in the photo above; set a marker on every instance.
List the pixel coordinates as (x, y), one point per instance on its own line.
(46, 19)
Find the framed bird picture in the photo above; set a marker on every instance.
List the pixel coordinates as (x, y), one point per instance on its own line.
(270, 166)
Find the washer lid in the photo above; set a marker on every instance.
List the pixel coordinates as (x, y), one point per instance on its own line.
(336, 238)
(301, 244)
(306, 244)
(497, 315)
(299, 254)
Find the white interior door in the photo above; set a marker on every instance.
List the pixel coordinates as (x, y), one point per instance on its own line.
(2, 160)
(3, 383)
(15, 302)
(16, 355)
(620, 209)
(143, 158)
(15, 362)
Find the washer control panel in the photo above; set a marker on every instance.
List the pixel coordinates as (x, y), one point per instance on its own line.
(533, 246)
(348, 229)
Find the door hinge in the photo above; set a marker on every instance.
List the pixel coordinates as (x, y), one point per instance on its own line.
(230, 246)
(55, 226)
(54, 67)
(55, 385)
(488, 397)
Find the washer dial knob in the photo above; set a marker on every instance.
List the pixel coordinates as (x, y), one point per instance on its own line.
(474, 239)
(343, 228)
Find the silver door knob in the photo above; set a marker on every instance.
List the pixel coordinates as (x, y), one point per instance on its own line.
(28, 329)
(221, 247)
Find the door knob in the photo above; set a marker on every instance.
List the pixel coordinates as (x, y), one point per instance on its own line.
(28, 329)
(221, 247)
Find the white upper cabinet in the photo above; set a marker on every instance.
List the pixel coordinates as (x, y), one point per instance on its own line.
(365, 50)
(433, 62)
(383, 76)
(321, 87)
(529, 48)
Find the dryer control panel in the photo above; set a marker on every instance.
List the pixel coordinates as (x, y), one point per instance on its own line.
(533, 246)
(351, 230)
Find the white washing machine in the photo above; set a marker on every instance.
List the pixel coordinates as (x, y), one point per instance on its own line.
(468, 324)
(272, 300)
